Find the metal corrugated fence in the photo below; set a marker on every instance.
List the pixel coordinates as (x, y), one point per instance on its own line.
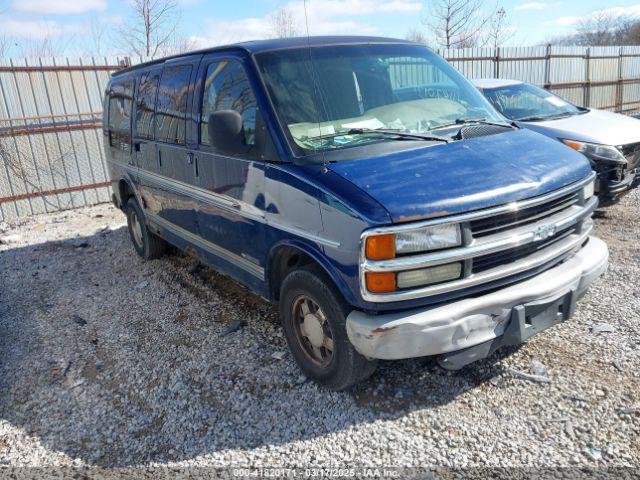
(50, 138)
(51, 112)
(598, 77)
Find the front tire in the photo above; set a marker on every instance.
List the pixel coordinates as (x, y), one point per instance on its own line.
(313, 316)
(148, 245)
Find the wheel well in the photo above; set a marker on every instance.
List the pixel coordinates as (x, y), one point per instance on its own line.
(125, 192)
(284, 261)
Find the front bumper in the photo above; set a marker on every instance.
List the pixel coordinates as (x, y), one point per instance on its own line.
(473, 321)
(610, 191)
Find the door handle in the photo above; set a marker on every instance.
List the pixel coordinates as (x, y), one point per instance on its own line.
(190, 158)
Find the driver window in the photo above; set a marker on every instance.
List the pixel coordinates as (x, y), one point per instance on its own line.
(227, 87)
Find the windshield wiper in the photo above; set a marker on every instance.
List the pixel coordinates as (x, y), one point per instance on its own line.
(538, 118)
(563, 115)
(532, 118)
(399, 134)
(464, 121)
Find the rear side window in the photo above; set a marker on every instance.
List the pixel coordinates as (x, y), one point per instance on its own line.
(145, 104)
(171, 105)
(119, 113)
(227, 87)
(120, 99)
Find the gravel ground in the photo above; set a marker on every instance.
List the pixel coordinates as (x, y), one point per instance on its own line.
(112, 362)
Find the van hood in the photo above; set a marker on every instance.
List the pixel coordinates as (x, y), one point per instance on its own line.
(467, 175)
(595, 126)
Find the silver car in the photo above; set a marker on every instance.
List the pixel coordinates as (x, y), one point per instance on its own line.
(611, 141)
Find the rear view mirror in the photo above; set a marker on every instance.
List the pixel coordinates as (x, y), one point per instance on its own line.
(226, 132)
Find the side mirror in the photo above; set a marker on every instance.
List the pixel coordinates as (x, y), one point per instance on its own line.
(226, 132)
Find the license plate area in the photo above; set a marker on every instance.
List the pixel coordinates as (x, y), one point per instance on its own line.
(535, 317)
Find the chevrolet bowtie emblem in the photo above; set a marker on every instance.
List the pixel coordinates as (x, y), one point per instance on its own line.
(544, 231)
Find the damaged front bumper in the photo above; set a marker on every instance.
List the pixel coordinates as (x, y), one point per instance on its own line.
(511, 314)
(611, 191)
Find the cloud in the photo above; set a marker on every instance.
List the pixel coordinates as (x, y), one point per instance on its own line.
(44, 7)
(628, 11)
(325, 17)
(531, 6)
(37, 29)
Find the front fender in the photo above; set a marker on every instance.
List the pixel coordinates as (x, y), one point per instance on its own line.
(315, 252)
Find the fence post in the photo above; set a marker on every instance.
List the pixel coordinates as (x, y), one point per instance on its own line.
(619, 84)
(547, 67)
(586, 93)
(496, 69)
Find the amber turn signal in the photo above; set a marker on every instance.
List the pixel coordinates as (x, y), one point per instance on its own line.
(381, 282)
(575, 145)
(381, 247)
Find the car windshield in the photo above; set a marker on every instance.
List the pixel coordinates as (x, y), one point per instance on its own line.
(335, 97)
(529, 103)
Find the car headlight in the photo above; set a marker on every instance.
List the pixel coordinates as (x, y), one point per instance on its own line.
(386, 246)
(597, 152)
(428, 238)
(588, 190)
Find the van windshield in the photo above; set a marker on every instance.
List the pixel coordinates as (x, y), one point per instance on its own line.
(335, 97)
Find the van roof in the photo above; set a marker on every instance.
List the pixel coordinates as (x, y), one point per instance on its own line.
(257, 46)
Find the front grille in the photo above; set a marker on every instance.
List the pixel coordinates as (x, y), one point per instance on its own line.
(499, 243)
(631, 153)
(506, 221)
(487, 262)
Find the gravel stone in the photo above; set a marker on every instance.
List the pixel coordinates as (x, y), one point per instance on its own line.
(151, 380)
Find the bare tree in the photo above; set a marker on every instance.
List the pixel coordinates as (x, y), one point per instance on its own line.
(284, 24)
(457, 23)
(633, 33)
(602, 28)
(4, 45)
(152, 27)
(49, 45)
(416, 35)
(97, 30)
(499, 29)
(177, 44)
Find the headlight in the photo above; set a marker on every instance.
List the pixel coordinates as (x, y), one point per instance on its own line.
(428, 238)
(386, 246)
(596, 152)
(588, 190)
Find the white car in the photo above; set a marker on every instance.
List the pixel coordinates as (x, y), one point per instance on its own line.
(611, 141)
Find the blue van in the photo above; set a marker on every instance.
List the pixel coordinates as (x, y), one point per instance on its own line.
(362, 184)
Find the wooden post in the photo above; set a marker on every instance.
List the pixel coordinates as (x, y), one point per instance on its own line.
(586, 93)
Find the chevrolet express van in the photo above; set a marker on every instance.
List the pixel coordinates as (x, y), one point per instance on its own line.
(362, 184)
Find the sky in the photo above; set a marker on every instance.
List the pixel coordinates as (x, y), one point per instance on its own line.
(214, 22)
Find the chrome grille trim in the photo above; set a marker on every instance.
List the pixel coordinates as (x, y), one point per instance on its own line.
(485, 245)
(544, 256)
(576, 215)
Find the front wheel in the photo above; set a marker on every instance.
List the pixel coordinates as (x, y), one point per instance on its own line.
(313, 316)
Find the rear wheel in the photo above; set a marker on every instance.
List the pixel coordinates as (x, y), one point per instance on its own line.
(147, 244)
(313, 316)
